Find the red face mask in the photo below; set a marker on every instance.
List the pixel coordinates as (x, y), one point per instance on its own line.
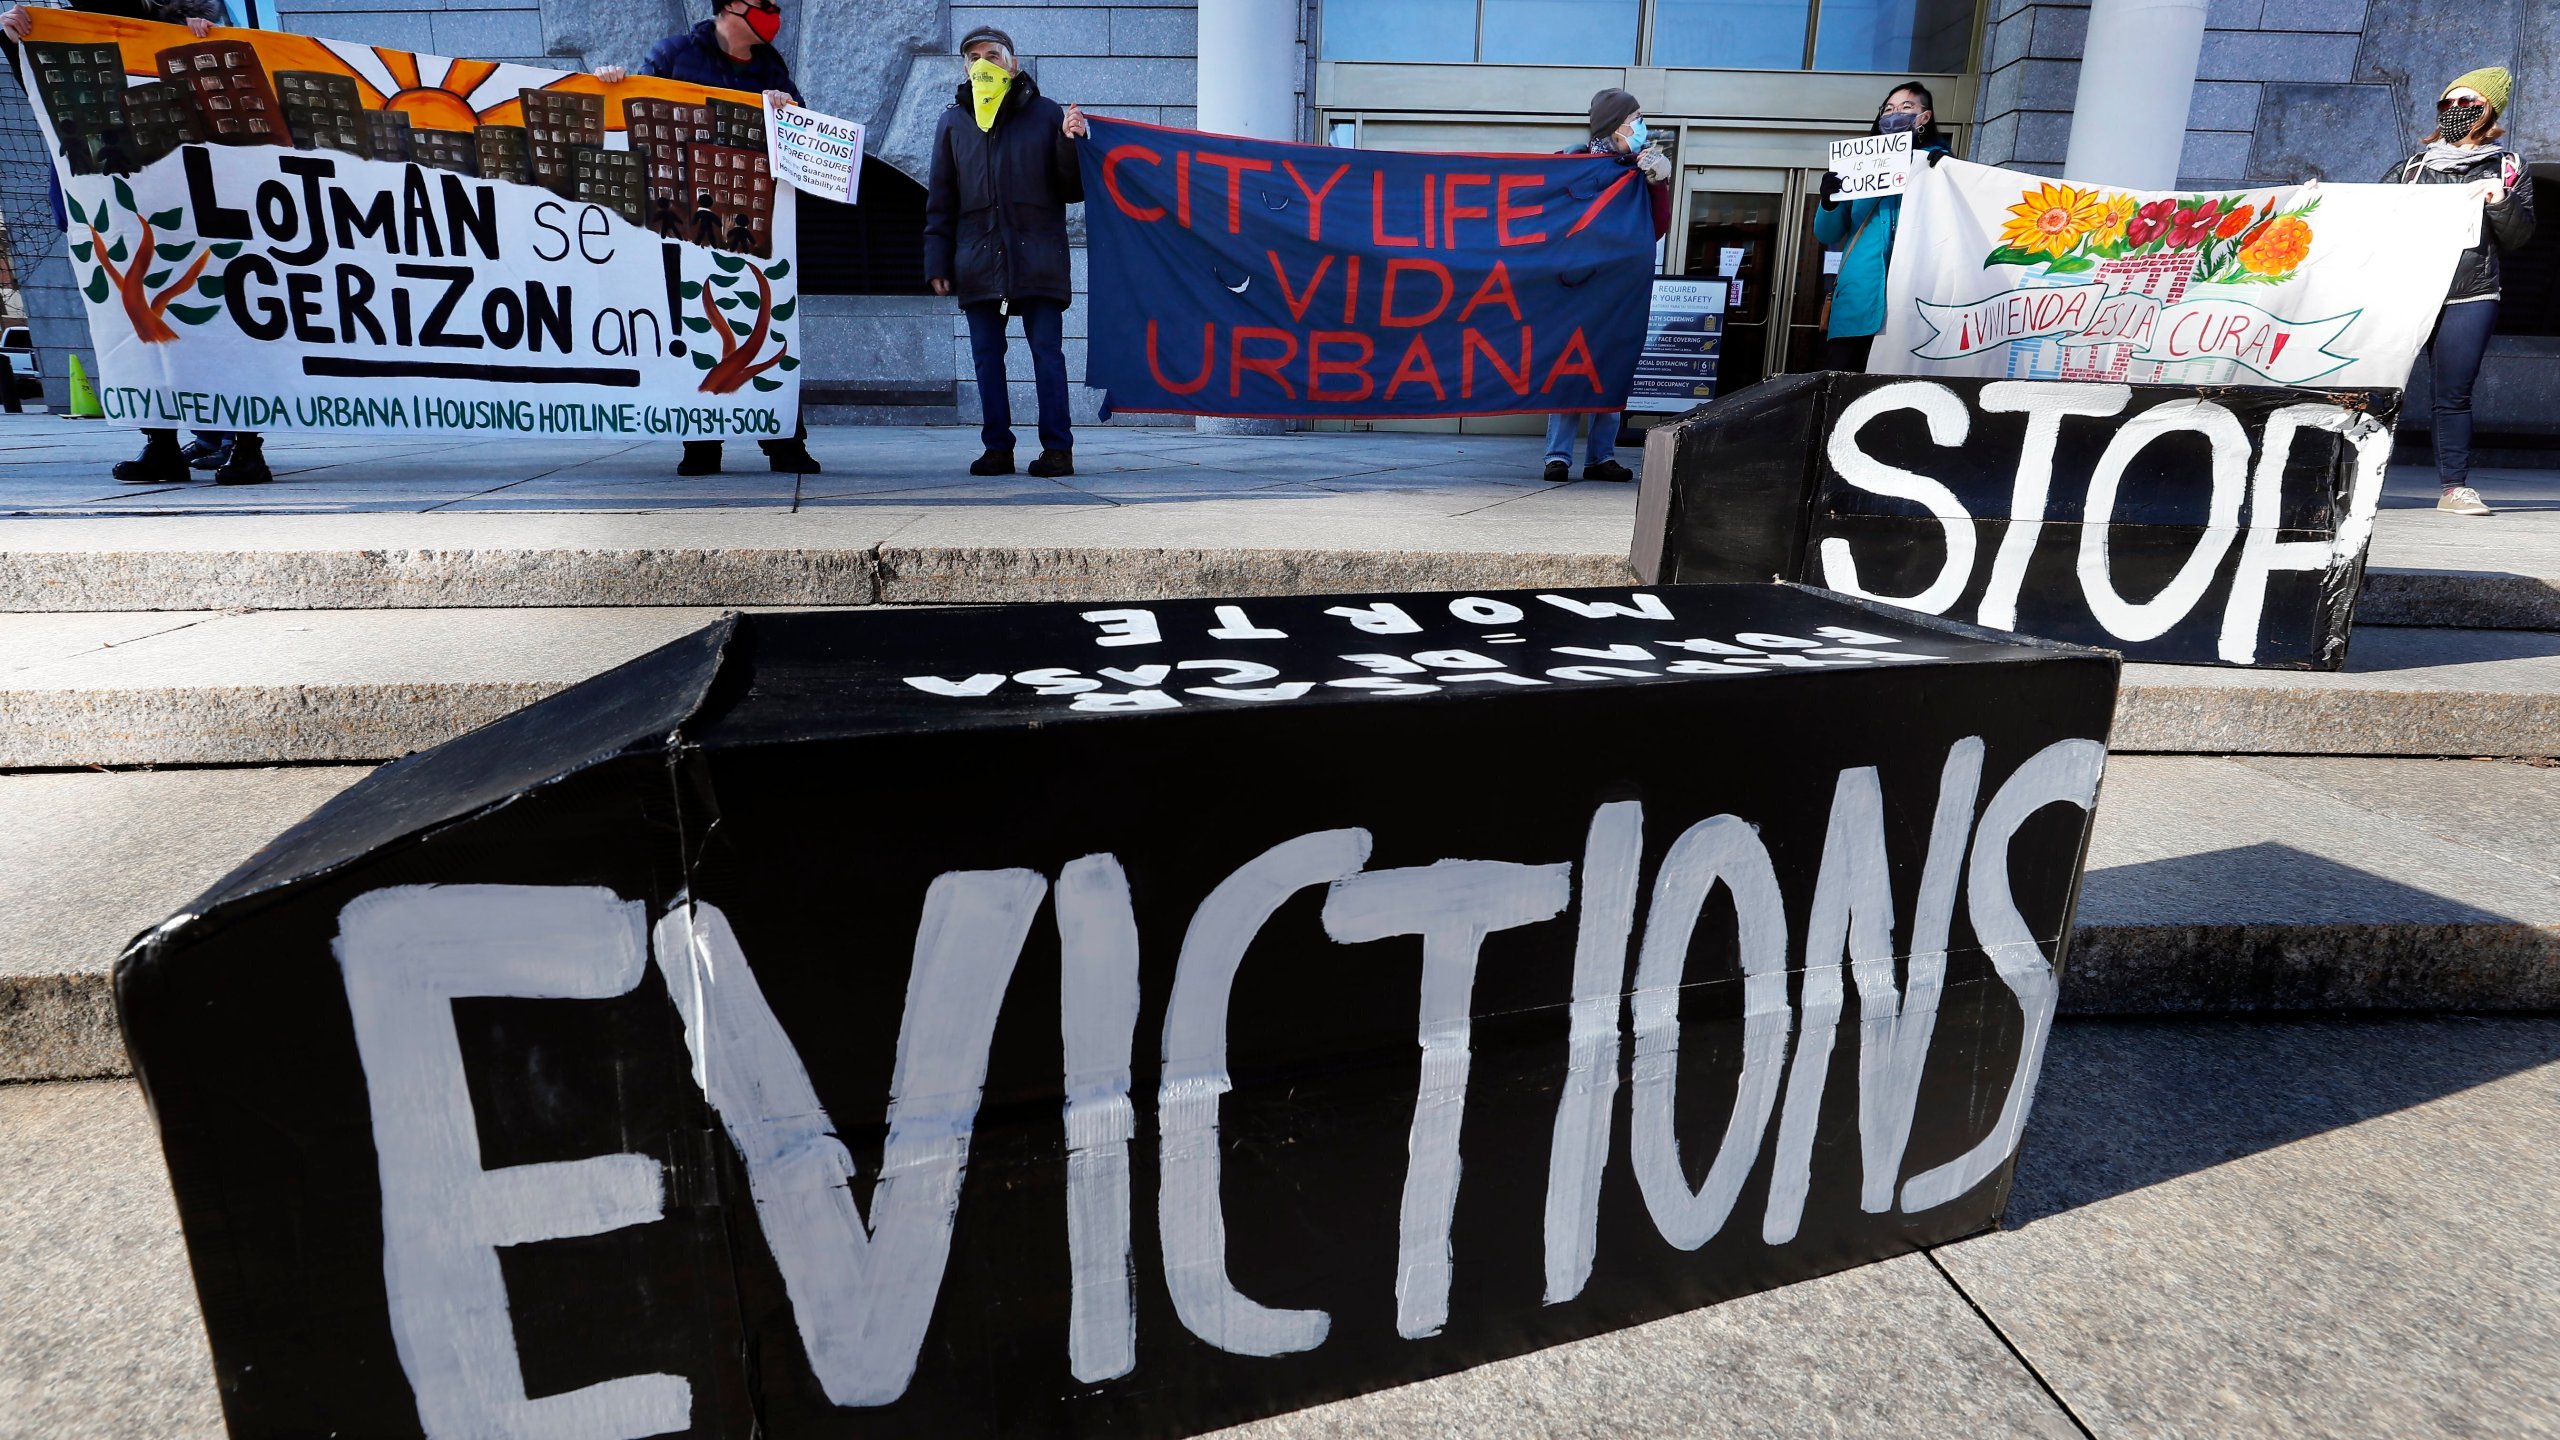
(766, 23)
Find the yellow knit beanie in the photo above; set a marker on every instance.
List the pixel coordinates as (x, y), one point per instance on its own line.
(2494, 83)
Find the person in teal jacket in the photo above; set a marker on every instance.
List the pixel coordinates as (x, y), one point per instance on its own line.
(1864, 229)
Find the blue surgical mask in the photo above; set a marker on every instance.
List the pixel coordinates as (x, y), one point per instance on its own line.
(1636, 137)
(1894, 122)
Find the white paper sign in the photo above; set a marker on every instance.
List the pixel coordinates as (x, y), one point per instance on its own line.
(1729, 260)
(1997, 273)
(820, 154)
(1872, 165)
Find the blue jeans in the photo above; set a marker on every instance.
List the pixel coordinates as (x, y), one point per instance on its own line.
(2461, 338)
(1604, 437)
(1044, 326)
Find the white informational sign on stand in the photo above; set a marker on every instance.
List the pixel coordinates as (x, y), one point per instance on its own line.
(1872, 165)
(819, 154)
(1683, 333)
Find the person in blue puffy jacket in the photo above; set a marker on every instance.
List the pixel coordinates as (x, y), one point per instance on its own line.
(733, 50)
(1864, 230)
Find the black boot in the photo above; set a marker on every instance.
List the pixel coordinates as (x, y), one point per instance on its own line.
(206, 454)
(994, 462)
(247, 465)
(790, 457)
(160, 463)
(701, 457)
(1053, 463)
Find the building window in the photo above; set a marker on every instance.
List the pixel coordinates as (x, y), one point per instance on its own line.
(1559, 32)
(1443, 30)
(2530, 278)
(1896, 37)
(1928, 37)
(874, 248)
(1731, 34)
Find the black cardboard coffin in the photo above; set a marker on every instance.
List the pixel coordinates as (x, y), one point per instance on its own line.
(1128, 1020)
(2147, 519)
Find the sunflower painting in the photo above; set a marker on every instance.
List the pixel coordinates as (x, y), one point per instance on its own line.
(2050, 220)
(2063, 229)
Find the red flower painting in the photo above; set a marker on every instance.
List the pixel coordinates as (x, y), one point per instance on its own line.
(2150, 222)
(2189, 227)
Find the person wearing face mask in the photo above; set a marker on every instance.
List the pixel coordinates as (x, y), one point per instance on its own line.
(995, 238)
(1864, 229)
(1617, 131)
(733, 50)
(2465, 151)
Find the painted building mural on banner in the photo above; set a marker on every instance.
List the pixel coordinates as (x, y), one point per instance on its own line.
(1999, 274)
(277, 232)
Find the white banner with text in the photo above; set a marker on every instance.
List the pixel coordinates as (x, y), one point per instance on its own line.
(1998, 274)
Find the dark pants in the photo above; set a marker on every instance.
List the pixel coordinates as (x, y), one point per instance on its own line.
(1044, 326)
(1847, 352)
(2461, 338)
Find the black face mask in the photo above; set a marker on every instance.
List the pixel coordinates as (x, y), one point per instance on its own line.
(2459, 121)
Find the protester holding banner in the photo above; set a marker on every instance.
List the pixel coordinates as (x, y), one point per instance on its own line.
(2465, 151)
(733, 50)
(995, 236)
(1618, 131)
(234, 459)
(1864, 230)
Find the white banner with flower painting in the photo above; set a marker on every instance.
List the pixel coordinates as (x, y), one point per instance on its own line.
(1996, 273)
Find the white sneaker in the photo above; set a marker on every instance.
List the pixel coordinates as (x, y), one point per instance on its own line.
(2463, 500)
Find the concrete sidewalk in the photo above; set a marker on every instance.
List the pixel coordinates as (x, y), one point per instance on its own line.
(2299, 1227)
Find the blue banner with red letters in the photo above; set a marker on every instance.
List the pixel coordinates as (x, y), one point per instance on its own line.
(1253, 278)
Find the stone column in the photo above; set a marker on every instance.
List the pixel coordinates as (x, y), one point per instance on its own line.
(2137, 78)
(1247, 62)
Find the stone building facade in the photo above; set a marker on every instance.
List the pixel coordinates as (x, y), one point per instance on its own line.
(2286, 89)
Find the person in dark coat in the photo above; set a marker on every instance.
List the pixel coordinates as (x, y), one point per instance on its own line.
(2465, 151)
(995, 238)
(733, 50)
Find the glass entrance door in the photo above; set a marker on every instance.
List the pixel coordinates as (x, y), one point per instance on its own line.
(1753, 229)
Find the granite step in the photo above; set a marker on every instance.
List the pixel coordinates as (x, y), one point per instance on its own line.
(224, 688)
(2215, 884)
(1151, 540)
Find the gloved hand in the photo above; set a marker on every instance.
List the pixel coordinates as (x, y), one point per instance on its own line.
(1830, 186)
(1655, 165)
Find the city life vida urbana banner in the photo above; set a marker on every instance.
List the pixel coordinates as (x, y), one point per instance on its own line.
(282, 232)
(1997, 273)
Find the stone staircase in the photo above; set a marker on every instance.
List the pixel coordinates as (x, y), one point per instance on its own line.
(176, 690)
(2269, 839)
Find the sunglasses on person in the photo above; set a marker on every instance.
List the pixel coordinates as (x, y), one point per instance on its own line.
(2464, 97)
(762, 7)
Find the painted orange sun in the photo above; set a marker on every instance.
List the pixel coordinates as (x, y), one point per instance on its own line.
(437, 93)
